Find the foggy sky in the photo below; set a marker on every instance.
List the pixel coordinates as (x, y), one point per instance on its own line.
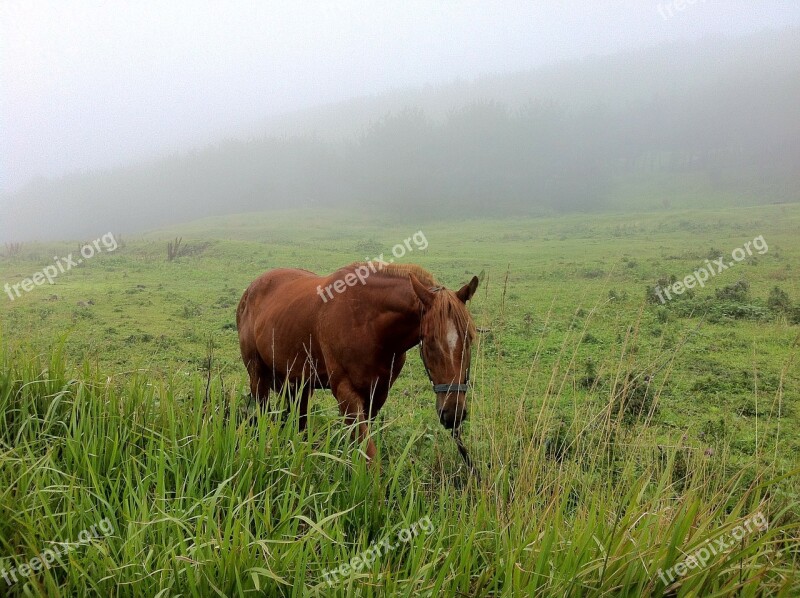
(87, 85)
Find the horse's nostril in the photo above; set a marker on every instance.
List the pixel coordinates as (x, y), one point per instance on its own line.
(447, 419)
(452, 419)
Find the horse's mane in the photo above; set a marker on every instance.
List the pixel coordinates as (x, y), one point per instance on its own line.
(403, 270)
(398, 271)
(446, 305)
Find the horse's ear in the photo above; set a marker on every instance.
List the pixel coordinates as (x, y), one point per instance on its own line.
(425, 296)
(466, 292)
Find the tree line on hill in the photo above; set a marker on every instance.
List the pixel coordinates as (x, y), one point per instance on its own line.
(718, 117)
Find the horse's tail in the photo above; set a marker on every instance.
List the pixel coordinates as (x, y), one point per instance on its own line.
(241, 309)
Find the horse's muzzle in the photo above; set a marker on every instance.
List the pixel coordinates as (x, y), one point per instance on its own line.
(452, 417)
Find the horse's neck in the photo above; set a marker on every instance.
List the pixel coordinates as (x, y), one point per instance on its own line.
(403, 330)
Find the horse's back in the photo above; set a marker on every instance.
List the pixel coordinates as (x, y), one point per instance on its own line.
(277, 313)
(273, 289)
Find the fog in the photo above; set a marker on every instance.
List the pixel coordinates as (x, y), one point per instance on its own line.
(128, 117)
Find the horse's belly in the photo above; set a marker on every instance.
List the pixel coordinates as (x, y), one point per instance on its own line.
(285, 329)
(291, 352)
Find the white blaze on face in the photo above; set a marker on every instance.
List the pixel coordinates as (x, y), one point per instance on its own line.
(452, 338)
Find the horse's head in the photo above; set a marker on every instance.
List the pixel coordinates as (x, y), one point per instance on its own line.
(446, 335)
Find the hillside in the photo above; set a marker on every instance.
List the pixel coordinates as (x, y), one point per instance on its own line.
(661, 128)
(616, 436)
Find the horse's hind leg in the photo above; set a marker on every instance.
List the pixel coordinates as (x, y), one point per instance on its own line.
(297, 398)
(302, 405)
(260, 383)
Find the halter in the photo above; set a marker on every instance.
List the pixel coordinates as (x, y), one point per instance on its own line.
(448, 388)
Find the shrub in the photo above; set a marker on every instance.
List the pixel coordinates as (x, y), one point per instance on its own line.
(369, 247)
(590, 378)
(632, 398)
(736, 311)
(738, 292)
(665, 281)
(779, 301)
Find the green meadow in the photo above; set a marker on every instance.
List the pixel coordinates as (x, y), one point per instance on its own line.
(619, 439)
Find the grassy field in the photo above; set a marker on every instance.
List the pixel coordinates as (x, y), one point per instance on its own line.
(620, 439)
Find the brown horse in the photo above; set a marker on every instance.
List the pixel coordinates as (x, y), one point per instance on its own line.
(298, 335)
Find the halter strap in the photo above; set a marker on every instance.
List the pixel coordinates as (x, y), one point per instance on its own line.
(443, 387)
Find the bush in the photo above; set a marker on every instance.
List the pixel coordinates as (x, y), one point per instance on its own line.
(590, 377)
(738, 292)
(369, 247)
(736, 311)
(662, 283)
(633, 399)
(714, 430)
(779, 301)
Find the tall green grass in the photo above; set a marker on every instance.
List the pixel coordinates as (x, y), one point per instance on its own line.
(207, 499)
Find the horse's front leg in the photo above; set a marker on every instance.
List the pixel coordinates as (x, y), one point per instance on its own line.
(302, 405)
(351, 406)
